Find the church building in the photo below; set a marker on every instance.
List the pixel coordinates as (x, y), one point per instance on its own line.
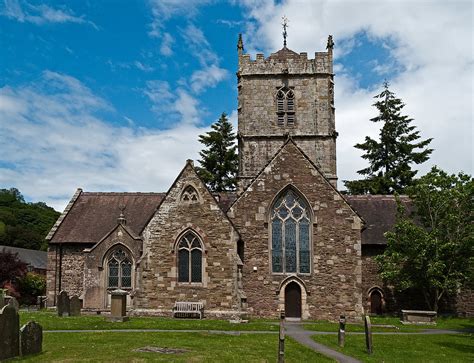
(286, 240)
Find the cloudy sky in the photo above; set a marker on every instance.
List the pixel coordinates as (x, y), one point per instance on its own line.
(112, 95)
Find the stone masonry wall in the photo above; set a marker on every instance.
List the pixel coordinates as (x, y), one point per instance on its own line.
(159, 286)
(314, 129)
(335, 284)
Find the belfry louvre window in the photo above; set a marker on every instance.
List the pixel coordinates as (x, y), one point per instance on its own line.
(285, 107)
(189, 258)
(119, 266)
(290, 234)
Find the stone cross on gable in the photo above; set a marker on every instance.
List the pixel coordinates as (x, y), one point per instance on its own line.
(285, 26)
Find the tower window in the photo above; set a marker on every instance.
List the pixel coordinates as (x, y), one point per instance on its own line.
(285, 107)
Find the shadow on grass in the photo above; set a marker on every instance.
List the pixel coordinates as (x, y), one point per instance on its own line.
(460, 347)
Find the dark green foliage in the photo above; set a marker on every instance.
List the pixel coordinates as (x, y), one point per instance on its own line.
(219, 161)
(390, 159)
(432, 250)
(31, 286)
(22, 224)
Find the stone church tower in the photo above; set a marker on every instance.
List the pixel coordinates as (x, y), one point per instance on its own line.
(284, 95)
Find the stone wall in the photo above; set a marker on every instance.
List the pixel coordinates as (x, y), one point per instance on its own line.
(314, 128)
(159, 287)
(335, 283)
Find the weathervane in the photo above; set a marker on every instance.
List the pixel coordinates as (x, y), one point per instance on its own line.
(285, 25)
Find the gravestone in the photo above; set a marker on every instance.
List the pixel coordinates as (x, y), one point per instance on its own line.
(63, 304)
(31, 338)
(341, 336)
(75, 306)
(3, 293)
(118, 308)
(13, 302)
(368, 334)
(281, 339)
(9, 332)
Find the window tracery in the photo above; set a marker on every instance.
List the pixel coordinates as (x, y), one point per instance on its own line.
(190, 195)
(285, 105)
(119, 266)
(189, 258)
(290, 231)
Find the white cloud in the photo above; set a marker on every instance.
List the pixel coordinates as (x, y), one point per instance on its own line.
(41, 14)
(52, 135)
(143, 67)
(431, 41)
(166, 44)
(207, 77)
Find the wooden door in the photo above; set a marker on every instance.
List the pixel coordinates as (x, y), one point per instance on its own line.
(293, 300)
(376, 302)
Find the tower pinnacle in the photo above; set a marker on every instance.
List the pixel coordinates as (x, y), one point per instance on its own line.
(240, 45)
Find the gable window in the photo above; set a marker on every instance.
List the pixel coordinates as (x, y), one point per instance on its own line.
(119, 268)
(190, 195)
(285, 107)
(290, 234)
(189, 258)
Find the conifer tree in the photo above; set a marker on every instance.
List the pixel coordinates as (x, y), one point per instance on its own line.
(219, 161)
(391, 157)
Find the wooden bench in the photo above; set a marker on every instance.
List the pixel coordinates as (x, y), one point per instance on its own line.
(186, 309)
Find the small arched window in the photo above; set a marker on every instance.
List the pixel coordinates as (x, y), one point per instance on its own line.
(189, 195)
(285, 107)
(290, 234)
(189, 258)
(119, 268)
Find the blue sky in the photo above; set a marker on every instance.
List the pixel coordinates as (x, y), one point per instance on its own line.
(112, 95)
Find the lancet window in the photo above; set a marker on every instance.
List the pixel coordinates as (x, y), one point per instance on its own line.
(189, 258)
(285, 107)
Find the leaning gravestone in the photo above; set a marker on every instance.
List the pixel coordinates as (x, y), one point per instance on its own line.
(9, 332)
(75, 305)
(31, 338)
(63, 304)
(368, 334)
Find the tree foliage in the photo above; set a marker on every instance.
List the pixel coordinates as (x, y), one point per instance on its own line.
(23, 224)
(219, 161)
(31, 286)
(432, 250)
(11, 267)
(391, 157)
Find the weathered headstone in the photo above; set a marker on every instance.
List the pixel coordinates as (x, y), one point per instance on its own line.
(63, 304)
(341, 336)
(75, 306)
(281, 339)
(368, 334)
(11, 300)
(41, 302)
(9, 332)
(3, 293)
(118, 309)
(31, 338)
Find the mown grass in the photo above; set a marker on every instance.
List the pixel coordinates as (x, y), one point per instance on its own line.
(441, 323)
(406, 348)
(203, 347)
(51, 321)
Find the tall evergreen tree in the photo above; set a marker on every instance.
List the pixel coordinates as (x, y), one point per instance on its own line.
(219, 161)
(390, 159)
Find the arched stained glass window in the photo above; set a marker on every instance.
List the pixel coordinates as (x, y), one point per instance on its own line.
(119, 266)
(189, 258)
(290, 230)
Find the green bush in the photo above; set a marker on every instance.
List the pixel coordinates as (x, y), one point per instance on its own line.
(31, 286)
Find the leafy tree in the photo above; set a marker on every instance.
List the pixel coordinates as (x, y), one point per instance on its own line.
(432, 249)
(31, 286)
(219, 163)
(23, 224)
(11, 268)
(391, 157)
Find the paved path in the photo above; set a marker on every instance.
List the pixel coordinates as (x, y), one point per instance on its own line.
(228, 332)
(296, 331)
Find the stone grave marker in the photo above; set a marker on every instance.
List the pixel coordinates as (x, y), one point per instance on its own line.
(63, 304)
(118, 310)
(9, 332)
(13, 302)
(3, 293)
(75, 306)
(341, 336)
(31, 338)
(368, 334)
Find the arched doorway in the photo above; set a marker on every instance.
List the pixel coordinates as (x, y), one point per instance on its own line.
(376, 302)
(293, 300)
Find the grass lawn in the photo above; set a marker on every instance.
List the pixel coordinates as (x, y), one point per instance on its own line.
(441, 323)
(406, 348)
(203, 347)
(50, 321)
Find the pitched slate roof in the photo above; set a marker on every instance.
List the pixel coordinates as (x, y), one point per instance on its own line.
(379, 213)
(34, 258)
(92, 215)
